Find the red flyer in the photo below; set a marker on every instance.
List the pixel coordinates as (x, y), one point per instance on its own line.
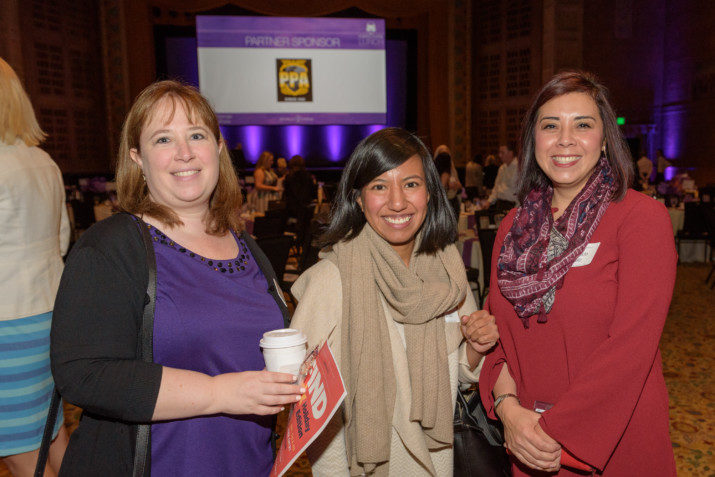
(308, 417)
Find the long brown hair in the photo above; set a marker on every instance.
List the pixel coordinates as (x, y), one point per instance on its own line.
(530, 174)
(264, 160)
(132, 191)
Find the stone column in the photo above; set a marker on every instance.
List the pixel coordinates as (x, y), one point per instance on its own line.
(562, 36)
(114, 68)
(10, 36)
(460, 79)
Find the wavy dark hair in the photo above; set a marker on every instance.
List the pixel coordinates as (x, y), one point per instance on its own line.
(378, 153)
(530, 174)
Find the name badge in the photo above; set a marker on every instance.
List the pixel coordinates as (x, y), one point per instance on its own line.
(452, 317)
(587, 255)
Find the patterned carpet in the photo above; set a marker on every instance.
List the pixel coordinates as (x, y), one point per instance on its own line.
(688, 348)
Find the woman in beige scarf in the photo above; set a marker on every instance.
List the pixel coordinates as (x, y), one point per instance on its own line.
(391, 297)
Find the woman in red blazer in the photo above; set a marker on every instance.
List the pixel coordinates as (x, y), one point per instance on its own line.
(583, 276)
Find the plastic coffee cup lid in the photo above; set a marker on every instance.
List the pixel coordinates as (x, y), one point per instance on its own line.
(283, 338)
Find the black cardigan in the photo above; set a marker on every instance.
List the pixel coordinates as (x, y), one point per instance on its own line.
(94, 345)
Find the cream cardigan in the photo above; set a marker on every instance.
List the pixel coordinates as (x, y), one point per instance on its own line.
(318, 315)
(35, 230)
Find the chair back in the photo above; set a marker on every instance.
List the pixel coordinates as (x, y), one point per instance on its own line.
(489, 218)
(271, 225)
(302, 227)
(309, 257)
(694, 219)
(83, 211)
(487, 237)
(329, 191)
(277, 250)
(709, 216)
(276, 205)
(487, 222)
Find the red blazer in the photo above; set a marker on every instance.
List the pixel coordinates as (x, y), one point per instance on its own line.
(597, 358)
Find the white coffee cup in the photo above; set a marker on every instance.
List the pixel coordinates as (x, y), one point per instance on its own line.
(284, 350)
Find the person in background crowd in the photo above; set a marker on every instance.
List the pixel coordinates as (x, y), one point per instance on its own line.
(444, 149)
(661, 164)
(503, 195)
(209, 404)
(491, 168)
(645, 169)
(443, 163)
(35, 235)
(238, 159)
(474, 177)
(281, 167)
(265, 183)
(584, 272)
(380, 296)
(299, 192)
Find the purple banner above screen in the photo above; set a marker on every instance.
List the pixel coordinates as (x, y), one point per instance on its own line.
(276, 70)
(282, 32)
(304, 119)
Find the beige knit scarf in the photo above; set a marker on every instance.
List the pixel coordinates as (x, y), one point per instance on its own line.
(432, 286)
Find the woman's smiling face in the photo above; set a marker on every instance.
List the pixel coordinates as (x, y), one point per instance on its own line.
(180, 159)
(568, 141)
(395, 205)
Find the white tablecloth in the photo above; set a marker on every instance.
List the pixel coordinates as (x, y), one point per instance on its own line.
(687, 251)
(468, 246)
(677, 218)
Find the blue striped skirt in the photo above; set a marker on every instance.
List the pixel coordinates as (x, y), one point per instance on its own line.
(25, 383)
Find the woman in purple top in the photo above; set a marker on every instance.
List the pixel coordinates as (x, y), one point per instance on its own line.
(210, 403)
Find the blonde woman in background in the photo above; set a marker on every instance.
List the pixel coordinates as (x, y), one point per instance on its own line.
(265, 183)
(35, 235)
(281, 167)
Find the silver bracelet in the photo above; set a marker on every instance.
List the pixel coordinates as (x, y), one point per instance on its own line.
(501, 397)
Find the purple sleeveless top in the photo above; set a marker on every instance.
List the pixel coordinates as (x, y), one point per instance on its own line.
(209, 317)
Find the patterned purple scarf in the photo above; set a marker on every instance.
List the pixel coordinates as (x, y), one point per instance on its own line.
(537, 251)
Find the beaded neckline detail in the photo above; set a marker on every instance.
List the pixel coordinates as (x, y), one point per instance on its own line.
(233, 265)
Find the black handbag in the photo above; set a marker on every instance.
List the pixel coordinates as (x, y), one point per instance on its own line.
(478, 441)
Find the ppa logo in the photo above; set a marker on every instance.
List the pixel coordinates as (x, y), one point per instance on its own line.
(294, 80)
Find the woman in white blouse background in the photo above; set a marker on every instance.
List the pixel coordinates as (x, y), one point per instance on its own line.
(35, 236)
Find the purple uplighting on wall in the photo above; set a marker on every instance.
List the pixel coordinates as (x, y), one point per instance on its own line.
(373, 128)
(253, 143)
(670, 172)
(673, 125)
(334, 142)
(293, 140)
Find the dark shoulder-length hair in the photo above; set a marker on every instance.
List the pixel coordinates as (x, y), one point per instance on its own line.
(378, 153)
(531, 176)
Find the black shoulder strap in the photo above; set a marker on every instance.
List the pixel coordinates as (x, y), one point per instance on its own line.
(47, 433)
(142, 455)
(265, 265)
